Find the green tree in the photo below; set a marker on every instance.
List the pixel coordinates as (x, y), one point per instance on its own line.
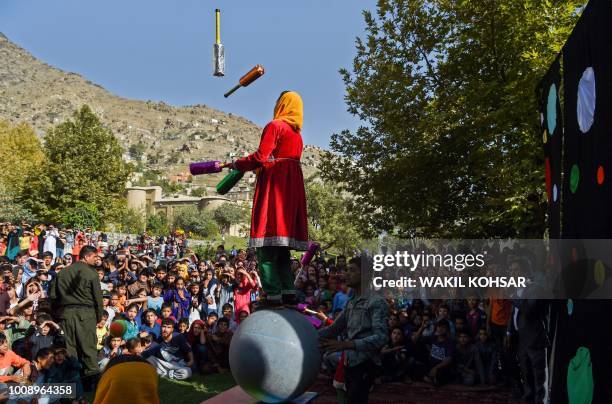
(229, 214)
(83, 163)
(169, 187)
(329, 221)
(131, 221)
(82, 215)
(11, 210)
(198, 222)
(136, 151)
(157, 224)
(451, 142)
(21, 155)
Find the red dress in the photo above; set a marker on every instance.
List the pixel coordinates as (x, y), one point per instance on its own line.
(279, 204)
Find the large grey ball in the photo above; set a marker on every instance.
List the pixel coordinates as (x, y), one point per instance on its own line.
(274, 355)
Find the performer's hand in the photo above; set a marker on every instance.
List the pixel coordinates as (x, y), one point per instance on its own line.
(225, 165)
(321, 316)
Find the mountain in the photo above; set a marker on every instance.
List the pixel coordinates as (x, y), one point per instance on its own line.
(162, 137)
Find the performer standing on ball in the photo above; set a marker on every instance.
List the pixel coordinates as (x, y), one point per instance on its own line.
(278, 221)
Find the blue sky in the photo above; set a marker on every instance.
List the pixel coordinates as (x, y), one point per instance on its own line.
(162, 50)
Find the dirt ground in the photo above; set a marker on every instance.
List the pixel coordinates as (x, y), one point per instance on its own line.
(420, 393)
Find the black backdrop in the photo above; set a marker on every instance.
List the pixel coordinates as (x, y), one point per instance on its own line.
(553, 141)
(586, 205)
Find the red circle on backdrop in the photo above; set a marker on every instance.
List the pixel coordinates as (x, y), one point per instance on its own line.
(600, 175)
(548, 179)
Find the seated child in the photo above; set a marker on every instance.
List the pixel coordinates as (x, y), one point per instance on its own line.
(166, 313)
(130, 314)
(148, 342)
(112, 348)
(219, 343)
(183, 326)
(17, 329)
(156, 300)
(211, 321)
(46, 331)
(40, 365)
(114, 303)
(102, 331)
(106, 296)
(13, 368)
(395, 357)
(488, 356)
(149, 325)
(197, 339)
(133, 347)
(441, 355)
(65, 369)
(228, 312)
(122, 293)
(467, 360)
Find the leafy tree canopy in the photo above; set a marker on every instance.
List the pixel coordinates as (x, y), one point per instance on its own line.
(157, 224)
(329, 220)
(83, 163)
(131, 221)
(451, 144)
(21, 154)
(194, 221)
(12, 210)
(229, 214)
(82, 215)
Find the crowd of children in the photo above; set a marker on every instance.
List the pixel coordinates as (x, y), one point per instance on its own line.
(180, 311)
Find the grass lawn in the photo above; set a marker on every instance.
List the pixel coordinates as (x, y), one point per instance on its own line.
(193, 391)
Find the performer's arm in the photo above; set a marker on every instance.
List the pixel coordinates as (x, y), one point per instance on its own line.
(266, 146)
(337, 327)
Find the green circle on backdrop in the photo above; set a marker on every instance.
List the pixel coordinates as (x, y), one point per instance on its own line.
(600, 273)
(574, 178)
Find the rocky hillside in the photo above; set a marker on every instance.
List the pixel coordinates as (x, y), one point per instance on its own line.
(164, 137)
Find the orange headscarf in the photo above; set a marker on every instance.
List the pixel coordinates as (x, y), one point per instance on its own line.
(129, 382)
(289, 108)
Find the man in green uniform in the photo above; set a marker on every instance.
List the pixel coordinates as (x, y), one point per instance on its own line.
(77, 302)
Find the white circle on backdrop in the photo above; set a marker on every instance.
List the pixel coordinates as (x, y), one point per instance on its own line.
(586, 100)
